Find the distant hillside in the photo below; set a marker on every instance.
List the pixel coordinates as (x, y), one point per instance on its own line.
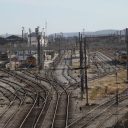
(105, 32)
(96, 33)
(7, 35)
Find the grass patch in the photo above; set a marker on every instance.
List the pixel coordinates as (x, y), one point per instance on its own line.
(95, 92)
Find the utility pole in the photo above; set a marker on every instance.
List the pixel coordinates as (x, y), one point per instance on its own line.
(38, 48)
(65, 47)
(23, 41)
(60, 39)
(116, 80)
(43, 46)
(81, 66)
(44, 36)
(71, 57)
(30, 40)
(126, 40)
(120, 36)
(10, 52)
(117, 101)
(87, 47)
(85, 63)
(60, 36)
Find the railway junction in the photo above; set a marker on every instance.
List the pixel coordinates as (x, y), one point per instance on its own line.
(84, 85)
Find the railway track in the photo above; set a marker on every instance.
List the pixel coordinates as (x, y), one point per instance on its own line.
(42, 113)
(36, 114)
(69, 74)
(38, 108)
(21, 93)
(60, 118)
(68, 71)
(30, 83)
(16, 111)
(104, 121)
(18, 88)
(106, 62)
(98, 111)
(26, 119)
(12, 108)
(58, 113)
(35, 76)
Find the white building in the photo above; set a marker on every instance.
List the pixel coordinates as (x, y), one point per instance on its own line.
(34, 42)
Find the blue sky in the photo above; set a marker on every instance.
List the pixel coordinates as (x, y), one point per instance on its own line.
(63, 15)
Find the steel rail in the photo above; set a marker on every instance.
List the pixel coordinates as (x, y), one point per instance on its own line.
(59, 100)
(43, 111)
(12, 116)
(19, 86)
(23, 122)
(103, 105)
(101, 123)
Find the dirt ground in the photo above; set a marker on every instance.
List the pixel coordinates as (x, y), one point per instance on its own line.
(108, 85)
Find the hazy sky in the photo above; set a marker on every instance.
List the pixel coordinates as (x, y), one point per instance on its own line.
(63, 15)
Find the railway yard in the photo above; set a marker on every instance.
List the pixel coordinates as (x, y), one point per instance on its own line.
(51, 97)
(63, 64)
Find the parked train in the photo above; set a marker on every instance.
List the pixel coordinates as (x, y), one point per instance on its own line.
(121, 57)
(31, 61)
(3, 56)
(3, 59)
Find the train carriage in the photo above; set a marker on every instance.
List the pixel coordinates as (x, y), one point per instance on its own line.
(121, 57)
(31, 61)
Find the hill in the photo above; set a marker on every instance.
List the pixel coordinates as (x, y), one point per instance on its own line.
(96, 33)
